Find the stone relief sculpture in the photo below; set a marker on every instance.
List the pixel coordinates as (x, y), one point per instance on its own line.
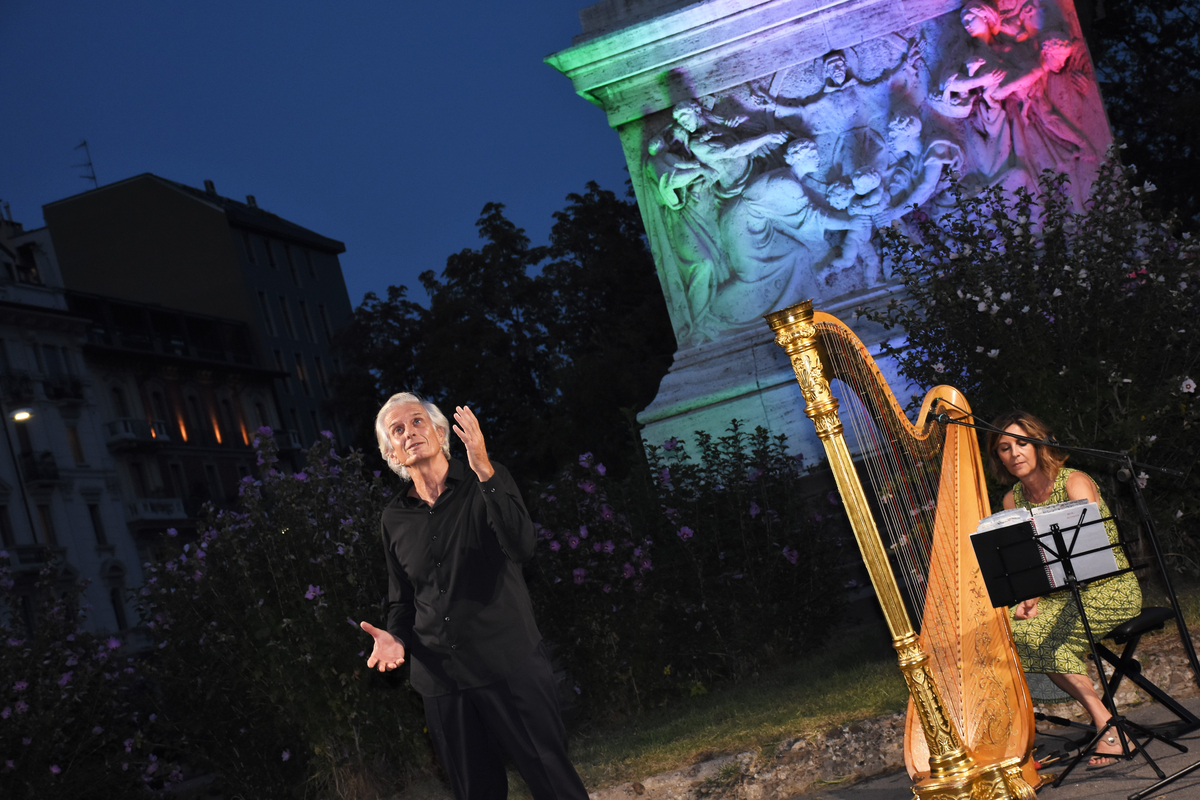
(773, 191)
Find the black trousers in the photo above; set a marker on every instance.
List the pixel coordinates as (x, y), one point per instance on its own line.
(518, 715)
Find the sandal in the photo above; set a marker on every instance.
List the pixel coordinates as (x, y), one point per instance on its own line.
(1112, 758)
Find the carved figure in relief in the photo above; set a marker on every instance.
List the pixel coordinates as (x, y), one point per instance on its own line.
(774, 234)
(915, 173)
(862, 195)
(696, 164)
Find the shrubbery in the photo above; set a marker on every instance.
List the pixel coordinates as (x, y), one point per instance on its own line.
(73, 721)
(694, 573)
(261, 663)
(1090, 320)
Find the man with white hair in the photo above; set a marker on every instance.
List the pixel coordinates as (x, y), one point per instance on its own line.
(455, 537)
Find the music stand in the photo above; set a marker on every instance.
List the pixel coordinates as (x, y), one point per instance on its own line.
(1020, 561)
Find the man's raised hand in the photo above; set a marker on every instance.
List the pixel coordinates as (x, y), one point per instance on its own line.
(388, 652)
(467, 428)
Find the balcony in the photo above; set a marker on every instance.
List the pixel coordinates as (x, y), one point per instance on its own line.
(32, 557)
(129, 432)
(63, 388)
(39, 467)
(146, 509)
(17, 387)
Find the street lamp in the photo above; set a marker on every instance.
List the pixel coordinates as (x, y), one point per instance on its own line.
(21, 415)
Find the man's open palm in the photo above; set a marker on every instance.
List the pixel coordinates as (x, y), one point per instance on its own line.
(388, 652)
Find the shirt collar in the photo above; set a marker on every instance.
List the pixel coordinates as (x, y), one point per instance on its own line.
(454, 476)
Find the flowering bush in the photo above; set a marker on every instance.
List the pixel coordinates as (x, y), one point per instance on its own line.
(261, 663)
(70, 722)
(687, 574)
(1089, 320)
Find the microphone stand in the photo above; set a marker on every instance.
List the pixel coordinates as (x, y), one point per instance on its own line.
(1127, 475)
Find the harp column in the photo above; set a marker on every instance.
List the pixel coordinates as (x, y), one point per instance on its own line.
(953, 771)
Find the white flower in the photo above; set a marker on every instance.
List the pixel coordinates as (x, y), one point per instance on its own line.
(1188, 386)
(1142, 480)
(1063, 371)
(1151, 439)
(1126, 380)
(979, 349)
(1183, 284)
(1149, 187)
(1083, 273)
(1057, 293)
(939, 367)
(993, 353)
(983, 306)
(1008, 321)
(960, 294)
(1006, 296)
(1179, 513)
(995, 309)
(1025, 310)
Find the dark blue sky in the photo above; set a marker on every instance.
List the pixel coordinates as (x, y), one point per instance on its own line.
(386, 125)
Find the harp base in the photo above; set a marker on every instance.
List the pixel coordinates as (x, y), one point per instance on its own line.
(992, 782)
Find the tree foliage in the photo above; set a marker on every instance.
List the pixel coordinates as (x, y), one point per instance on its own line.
(554, 347)
(1145, 56)
(1088, 320)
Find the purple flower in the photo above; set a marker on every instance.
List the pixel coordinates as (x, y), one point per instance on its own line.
(627, 570)
(596, 546)
(606, 588)
(286, 754)
(754, 474)
(600, 470)
(113, 643)
(585, 460)
(583, 532)
(609, 546)
(754, 509)
(313, 592)
(55, 769)
(646, 564)
(580, 573)
(555, 546)
(66, 678)
(172, 532)
(587, 486)
(685, 533)
(97, 730)
(606, 512)
(5, 712)
(129, 745)
(300, 476)
(790, 554)
(670, 444)
(20, 686)
(834, 499)
(665, 475)
(264, 431)
(573, 542)
(21, 707)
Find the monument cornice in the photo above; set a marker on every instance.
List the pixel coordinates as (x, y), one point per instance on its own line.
(710, 47)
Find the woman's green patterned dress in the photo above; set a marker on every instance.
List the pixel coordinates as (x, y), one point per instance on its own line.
(1054, 640)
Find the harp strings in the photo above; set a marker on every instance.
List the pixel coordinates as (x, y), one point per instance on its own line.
(898, 466)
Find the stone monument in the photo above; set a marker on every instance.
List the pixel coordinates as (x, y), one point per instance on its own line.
(768, 141)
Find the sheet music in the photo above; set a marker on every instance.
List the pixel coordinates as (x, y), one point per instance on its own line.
(1091, 536)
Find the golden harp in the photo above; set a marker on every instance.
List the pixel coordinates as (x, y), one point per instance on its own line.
(970, 728)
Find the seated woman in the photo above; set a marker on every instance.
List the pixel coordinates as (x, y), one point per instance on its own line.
(1047, 631)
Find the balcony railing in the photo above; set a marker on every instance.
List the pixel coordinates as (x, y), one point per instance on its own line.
(129, 430)
(63, 388)
(25, 557)
(146, 508)
(39, 466)
(17, 386)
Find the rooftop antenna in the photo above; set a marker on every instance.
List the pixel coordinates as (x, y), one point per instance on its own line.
(90, 175)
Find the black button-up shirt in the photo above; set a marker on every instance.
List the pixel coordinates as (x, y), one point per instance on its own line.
(456, 596)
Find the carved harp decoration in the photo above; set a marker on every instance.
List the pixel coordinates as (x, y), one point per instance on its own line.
(970, 726)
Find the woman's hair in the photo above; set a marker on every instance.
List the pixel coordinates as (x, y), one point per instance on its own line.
(385, 441)
(1049, 459)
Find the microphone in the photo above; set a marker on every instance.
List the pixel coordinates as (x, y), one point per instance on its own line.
(1123, 475)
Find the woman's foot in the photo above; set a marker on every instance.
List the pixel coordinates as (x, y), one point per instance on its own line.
(1109, 752)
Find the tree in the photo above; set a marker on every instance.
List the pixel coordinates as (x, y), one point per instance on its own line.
(1085, 319)
(555, 347)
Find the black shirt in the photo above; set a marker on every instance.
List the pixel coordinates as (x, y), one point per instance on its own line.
(456, 596)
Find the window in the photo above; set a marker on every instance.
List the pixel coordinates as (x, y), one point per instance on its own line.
(138, 473)
(118, 399)
(49, 536)
(261, 412)
(308, 328)
(214, 482)
(249, 248)
(160, 406)
(53, 365)
(287, 317)
(316, 422)
(287, 381)
(76, 445)
(296, 424)
(321, 379)
(193, 405)
(177, 479)
(302, 374)
(312, 272)
(291, 262)
(7, 538)
(266, 309)
(270, 253)
(97, 523)
(325, 322)
(116, 596)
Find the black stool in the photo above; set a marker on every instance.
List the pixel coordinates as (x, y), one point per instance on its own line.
(1126, 666)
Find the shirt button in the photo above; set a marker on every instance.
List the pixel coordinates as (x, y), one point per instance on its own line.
(453, 647)
(435, 537)
(447, 619)
(441, 591)
(439, 563)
